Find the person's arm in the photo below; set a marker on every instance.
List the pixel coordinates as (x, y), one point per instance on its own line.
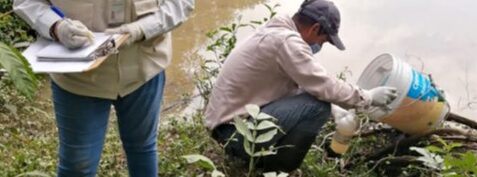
(297, 61)
(37, 14)
(170, 14)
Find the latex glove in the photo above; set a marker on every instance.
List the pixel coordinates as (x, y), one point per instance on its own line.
(338, 112)
(72, 33)
(346, 122)
(382, 96)
(133, 29)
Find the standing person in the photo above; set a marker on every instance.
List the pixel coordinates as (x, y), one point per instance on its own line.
(269, 68)
(131, 80)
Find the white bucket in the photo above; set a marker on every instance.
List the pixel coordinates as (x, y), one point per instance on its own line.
(419, 107)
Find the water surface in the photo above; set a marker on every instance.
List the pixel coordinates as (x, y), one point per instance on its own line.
(435, 36)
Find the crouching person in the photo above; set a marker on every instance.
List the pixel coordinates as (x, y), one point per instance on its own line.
(269, 68)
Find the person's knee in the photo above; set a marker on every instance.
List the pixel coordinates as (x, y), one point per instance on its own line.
(140, 147)
(320, 109)
(325, 109)
(82, 167)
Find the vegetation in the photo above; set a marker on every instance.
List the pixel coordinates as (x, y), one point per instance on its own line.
(28, 140)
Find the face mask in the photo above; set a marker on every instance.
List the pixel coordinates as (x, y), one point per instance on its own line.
(315, 48)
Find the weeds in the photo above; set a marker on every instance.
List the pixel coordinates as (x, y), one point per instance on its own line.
(28, 141)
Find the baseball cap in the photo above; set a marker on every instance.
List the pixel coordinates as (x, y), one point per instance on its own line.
(325, 13)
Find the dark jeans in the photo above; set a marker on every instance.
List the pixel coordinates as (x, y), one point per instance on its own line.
(82, 122)
(300, 116)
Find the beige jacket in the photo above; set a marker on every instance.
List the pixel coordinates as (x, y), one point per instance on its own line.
(135, 64)
(273, 63)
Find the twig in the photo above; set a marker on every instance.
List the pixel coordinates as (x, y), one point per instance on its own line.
(178, 102)
(401, 159)
(470, 147)
(460, 119)
(5, 14)
(376, 132)
(324, 140)
(466, 138)
(407, 142)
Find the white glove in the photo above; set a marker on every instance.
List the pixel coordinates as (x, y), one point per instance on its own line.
(382, 96)
(133, 29)
(338, 112)
(72, 33)
(346, 122)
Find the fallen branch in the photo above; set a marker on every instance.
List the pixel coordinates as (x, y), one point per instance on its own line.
(462, 120)
(393, 160)
(179, 102)
(470, 147)
(6, 14)
(465, 138)
(377, 132)
(405, 143)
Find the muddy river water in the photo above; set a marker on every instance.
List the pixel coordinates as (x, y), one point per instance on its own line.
(434, 36)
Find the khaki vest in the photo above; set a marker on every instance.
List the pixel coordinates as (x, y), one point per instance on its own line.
(126, 71)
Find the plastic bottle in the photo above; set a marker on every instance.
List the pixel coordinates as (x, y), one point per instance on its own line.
(345, 129)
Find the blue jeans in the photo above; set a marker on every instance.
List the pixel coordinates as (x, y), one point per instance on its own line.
(82, 122)
(300, 117)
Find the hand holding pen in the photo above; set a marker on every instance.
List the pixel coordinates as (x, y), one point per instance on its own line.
(71, 33)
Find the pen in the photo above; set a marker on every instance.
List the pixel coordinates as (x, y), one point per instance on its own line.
(60, 13)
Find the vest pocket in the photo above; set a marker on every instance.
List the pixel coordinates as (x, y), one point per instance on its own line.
(116, 10)
(77, 10)
(144, 7)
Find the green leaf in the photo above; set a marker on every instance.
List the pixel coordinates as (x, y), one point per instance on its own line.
(264, 116)
(440, 140)
(217, 173)
(265, 125)
(250, 125)
(247, 147)
(452, 174)
(253, 110)
(226, 29)
(453, 145)
(433, 148)
(282, 174)
(469, 161)
(201, 160)
(421, 151)
(270, 174)
(274, 174)
(34, 173)
(18, 70)
(242, 128)
(265, 153)
(256, 22)
(429, 159)
(266, 136)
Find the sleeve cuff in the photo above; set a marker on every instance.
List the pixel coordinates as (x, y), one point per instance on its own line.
(45, 21)
(365, 100)
(149, 26)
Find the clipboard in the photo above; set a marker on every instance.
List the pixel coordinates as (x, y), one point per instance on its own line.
(67, 66)
(118, 42)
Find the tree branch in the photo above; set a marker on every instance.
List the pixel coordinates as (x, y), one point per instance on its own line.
(460, 119)
(405, 143)
(6, 14)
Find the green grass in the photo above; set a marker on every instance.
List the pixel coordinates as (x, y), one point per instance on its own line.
(28, 140)
(28, 143)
